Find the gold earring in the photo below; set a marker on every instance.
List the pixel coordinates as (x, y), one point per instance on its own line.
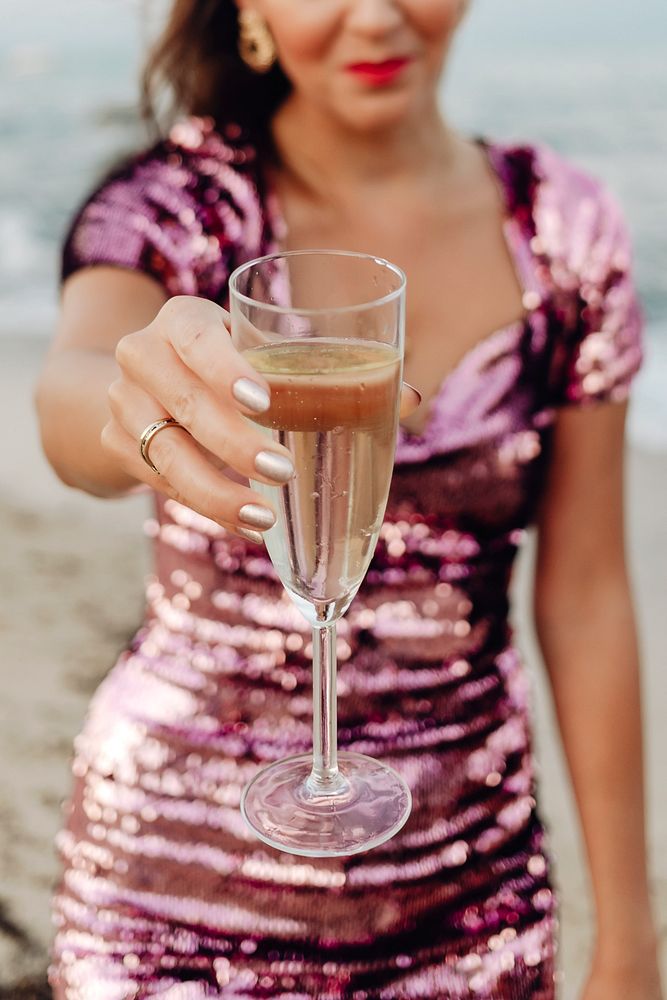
(256, 45)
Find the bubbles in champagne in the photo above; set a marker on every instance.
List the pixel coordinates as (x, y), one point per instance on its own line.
(341, 430)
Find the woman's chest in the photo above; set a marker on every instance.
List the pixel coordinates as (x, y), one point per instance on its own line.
(481, 459)
(462, 283)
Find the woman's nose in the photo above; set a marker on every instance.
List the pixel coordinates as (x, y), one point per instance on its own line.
(374, 17)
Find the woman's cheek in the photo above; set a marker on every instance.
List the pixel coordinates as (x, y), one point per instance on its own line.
(435, 19)
(303, 31)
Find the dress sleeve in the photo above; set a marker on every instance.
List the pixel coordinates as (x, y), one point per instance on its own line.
(172, 213)
(603, 350)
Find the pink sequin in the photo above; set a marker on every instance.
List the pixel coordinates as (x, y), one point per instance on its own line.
(165, 892)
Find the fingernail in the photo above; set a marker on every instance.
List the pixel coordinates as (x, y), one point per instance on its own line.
(274, 466)
(257, 516)
(416, 391)
(252, 536)
(250, 394)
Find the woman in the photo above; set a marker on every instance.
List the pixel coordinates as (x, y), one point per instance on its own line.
(315, 124)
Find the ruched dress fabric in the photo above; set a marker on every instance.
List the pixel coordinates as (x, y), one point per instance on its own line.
(165, 893)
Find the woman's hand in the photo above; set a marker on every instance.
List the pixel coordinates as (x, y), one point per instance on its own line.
(184, 365)
(632, 973)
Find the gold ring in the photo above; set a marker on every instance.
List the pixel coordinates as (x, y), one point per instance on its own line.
(148, 435)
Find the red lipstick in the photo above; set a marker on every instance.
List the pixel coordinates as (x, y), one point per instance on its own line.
(379, 72)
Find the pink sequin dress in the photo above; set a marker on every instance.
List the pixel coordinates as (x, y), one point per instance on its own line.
(165, 893)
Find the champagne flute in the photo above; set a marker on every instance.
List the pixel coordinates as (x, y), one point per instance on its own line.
(326, 330)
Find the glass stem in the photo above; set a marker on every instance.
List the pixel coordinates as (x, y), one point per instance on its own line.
(325, 776)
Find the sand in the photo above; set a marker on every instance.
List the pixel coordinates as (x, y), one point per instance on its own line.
(71, 572)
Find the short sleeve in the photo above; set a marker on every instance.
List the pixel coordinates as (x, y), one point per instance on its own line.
(603, 350)
(178, 212)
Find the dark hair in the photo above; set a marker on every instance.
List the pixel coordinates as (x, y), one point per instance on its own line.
(196, 61)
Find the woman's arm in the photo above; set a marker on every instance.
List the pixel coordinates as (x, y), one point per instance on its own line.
(99, 305)
(586, 628)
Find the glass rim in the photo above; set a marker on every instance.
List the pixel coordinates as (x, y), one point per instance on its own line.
(317, 311)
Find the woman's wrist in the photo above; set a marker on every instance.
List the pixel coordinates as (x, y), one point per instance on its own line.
(627, 937)
(72, 404)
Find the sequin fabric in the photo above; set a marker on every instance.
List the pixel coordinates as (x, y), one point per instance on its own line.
(164, 891)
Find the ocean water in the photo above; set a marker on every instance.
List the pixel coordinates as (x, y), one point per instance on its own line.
(590, 79)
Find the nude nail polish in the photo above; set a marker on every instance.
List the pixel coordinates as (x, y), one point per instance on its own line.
(257, 516)
(251, 395)
(252, 536)
(414, 389)
(273, 466)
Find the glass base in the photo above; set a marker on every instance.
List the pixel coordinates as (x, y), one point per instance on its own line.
(362, 807)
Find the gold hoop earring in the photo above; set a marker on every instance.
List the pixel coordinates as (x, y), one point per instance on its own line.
(256, 45)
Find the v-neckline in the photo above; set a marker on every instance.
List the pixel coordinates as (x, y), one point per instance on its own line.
(526, 276)
(479, 347)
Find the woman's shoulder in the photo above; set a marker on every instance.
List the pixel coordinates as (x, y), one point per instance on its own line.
(178, 209)
(193, 150)
(537, 163)
(579, 238)
(193, 159)
(576, 219)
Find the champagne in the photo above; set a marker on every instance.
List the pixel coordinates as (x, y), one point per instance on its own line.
(334, 405)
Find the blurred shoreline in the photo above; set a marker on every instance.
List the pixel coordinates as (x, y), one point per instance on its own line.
(74, 569)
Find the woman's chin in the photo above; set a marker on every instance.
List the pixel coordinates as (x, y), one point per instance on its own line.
(378, 111)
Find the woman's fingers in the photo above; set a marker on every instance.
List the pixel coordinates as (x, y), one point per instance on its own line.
(199, 332)
(410, 399)
(185, 474)
(212, 419)
(184, 365)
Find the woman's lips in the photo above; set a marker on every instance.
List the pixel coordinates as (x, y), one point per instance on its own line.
(379, 72)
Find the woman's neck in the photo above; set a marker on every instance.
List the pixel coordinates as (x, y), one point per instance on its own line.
(322, 155)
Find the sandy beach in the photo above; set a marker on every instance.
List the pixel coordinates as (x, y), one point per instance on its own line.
(72, 575)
